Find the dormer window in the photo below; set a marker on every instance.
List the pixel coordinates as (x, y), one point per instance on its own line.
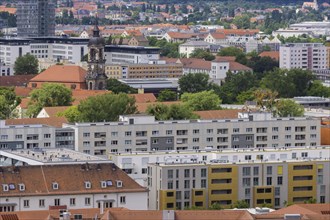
(21, 187)
(119, 183)
(5, 187)
(55, 185)
(88, 185)
(103, 184)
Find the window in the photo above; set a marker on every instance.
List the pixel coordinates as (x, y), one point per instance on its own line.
(128, 142)
(246, 182)
(209, 131)
(248, 157)
(186, 173)
(255, 171)
(287, 128)
(128, 133)
(195, 131)
(195, 140)
(279, 180)
(255, 181)
(269, 181)
(87, 201)
(155, 132)
(86, 134)
(72, 201)
(275, 129)
(41, 203)
(26, 203)
(269, 170)
(187, 184)
(186, 194)
(57, 202)
(170, 174)
(304, 154)
(122, 199)
(168, 132)
(203, 183)
(47, 135)
(203, 172)
(247, 192)
(88, 185)
(169, 141)
(55, 185)
(235, 130)
(114, 134)
(248, 129)
(170, 184)
(246, 171)
(18, 136)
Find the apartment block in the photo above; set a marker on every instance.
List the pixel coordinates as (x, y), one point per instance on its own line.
(35, 18)
(136, 71)
(144, 133)
(308, 56)
(135, 164)
(123, 54)
(258, 182)
(53, 49)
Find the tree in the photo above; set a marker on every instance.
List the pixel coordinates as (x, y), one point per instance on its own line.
(265, 99)
(172, 10)
(116, 87)
(242, 22)
(106, 107)
(26, 64)
(167, 95)
(241, 204)
(50, 94)
(230, 51)
(318, 89)
(215, 206)
(71, 114)
(202, 54)
(172, 112)
(8, 102)
(289, 108)
(194, 82)
(201, 101)
(262, 64)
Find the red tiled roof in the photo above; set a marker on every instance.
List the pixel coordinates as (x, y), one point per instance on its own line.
(235, 66)
(216, 35)
(18, 80)
(79, 95)
(218, 114)
(272, 54)
(24, 103)
(9, 10)
(304, 209)
(53, 111)
(143, 98)
(195, 63)
(53, 121)
(61, 73)
(238, 31)
(224, 58)
(38, 179)
(179, 35)
(23, 91)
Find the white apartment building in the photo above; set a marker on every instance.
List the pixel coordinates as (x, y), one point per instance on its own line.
(67, 186)
(123, 54)
(143, 133)
(308, 56)
(52, 48)
(189, 47)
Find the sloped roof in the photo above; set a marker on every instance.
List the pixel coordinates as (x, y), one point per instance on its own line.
(218, 114)
(23, 91)
(79, 95)
(53, 111)
(272, 54)
(61, 73)
(224, 58)
(217, 35)
(235, 66)
(179, 35)
(17, 80)
(53, 121)
(24, 103)
(195, 63)
(38, 179)
(305, 209)
(143, 98)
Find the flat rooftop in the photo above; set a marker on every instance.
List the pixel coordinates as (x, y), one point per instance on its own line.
(51, 156)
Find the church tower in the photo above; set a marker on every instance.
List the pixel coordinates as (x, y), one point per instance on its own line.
(96, 78)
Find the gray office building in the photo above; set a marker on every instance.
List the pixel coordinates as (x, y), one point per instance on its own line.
(36, 18)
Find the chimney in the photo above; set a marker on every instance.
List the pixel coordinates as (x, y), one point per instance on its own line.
(168, 215)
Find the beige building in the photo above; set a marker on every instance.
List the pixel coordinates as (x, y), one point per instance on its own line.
(135, 71)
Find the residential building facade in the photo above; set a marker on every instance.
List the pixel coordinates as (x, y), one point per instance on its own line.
(35, 18)
(308, 56)
(275, 182)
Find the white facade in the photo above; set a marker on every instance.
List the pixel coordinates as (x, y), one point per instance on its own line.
(189, 47)
(311, 56)
(219, 70)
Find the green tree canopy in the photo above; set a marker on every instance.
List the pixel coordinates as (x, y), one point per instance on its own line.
(106, 107)
(230, 51)
(8, 101)
(194, 82)
(116, 87)
(71, 114)
(167, 95)
(202, 54)
(201, 101)
(318, 89)
(241, 204)
(26, 64)
(50, 94)
(289, 108)
(174, 112)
